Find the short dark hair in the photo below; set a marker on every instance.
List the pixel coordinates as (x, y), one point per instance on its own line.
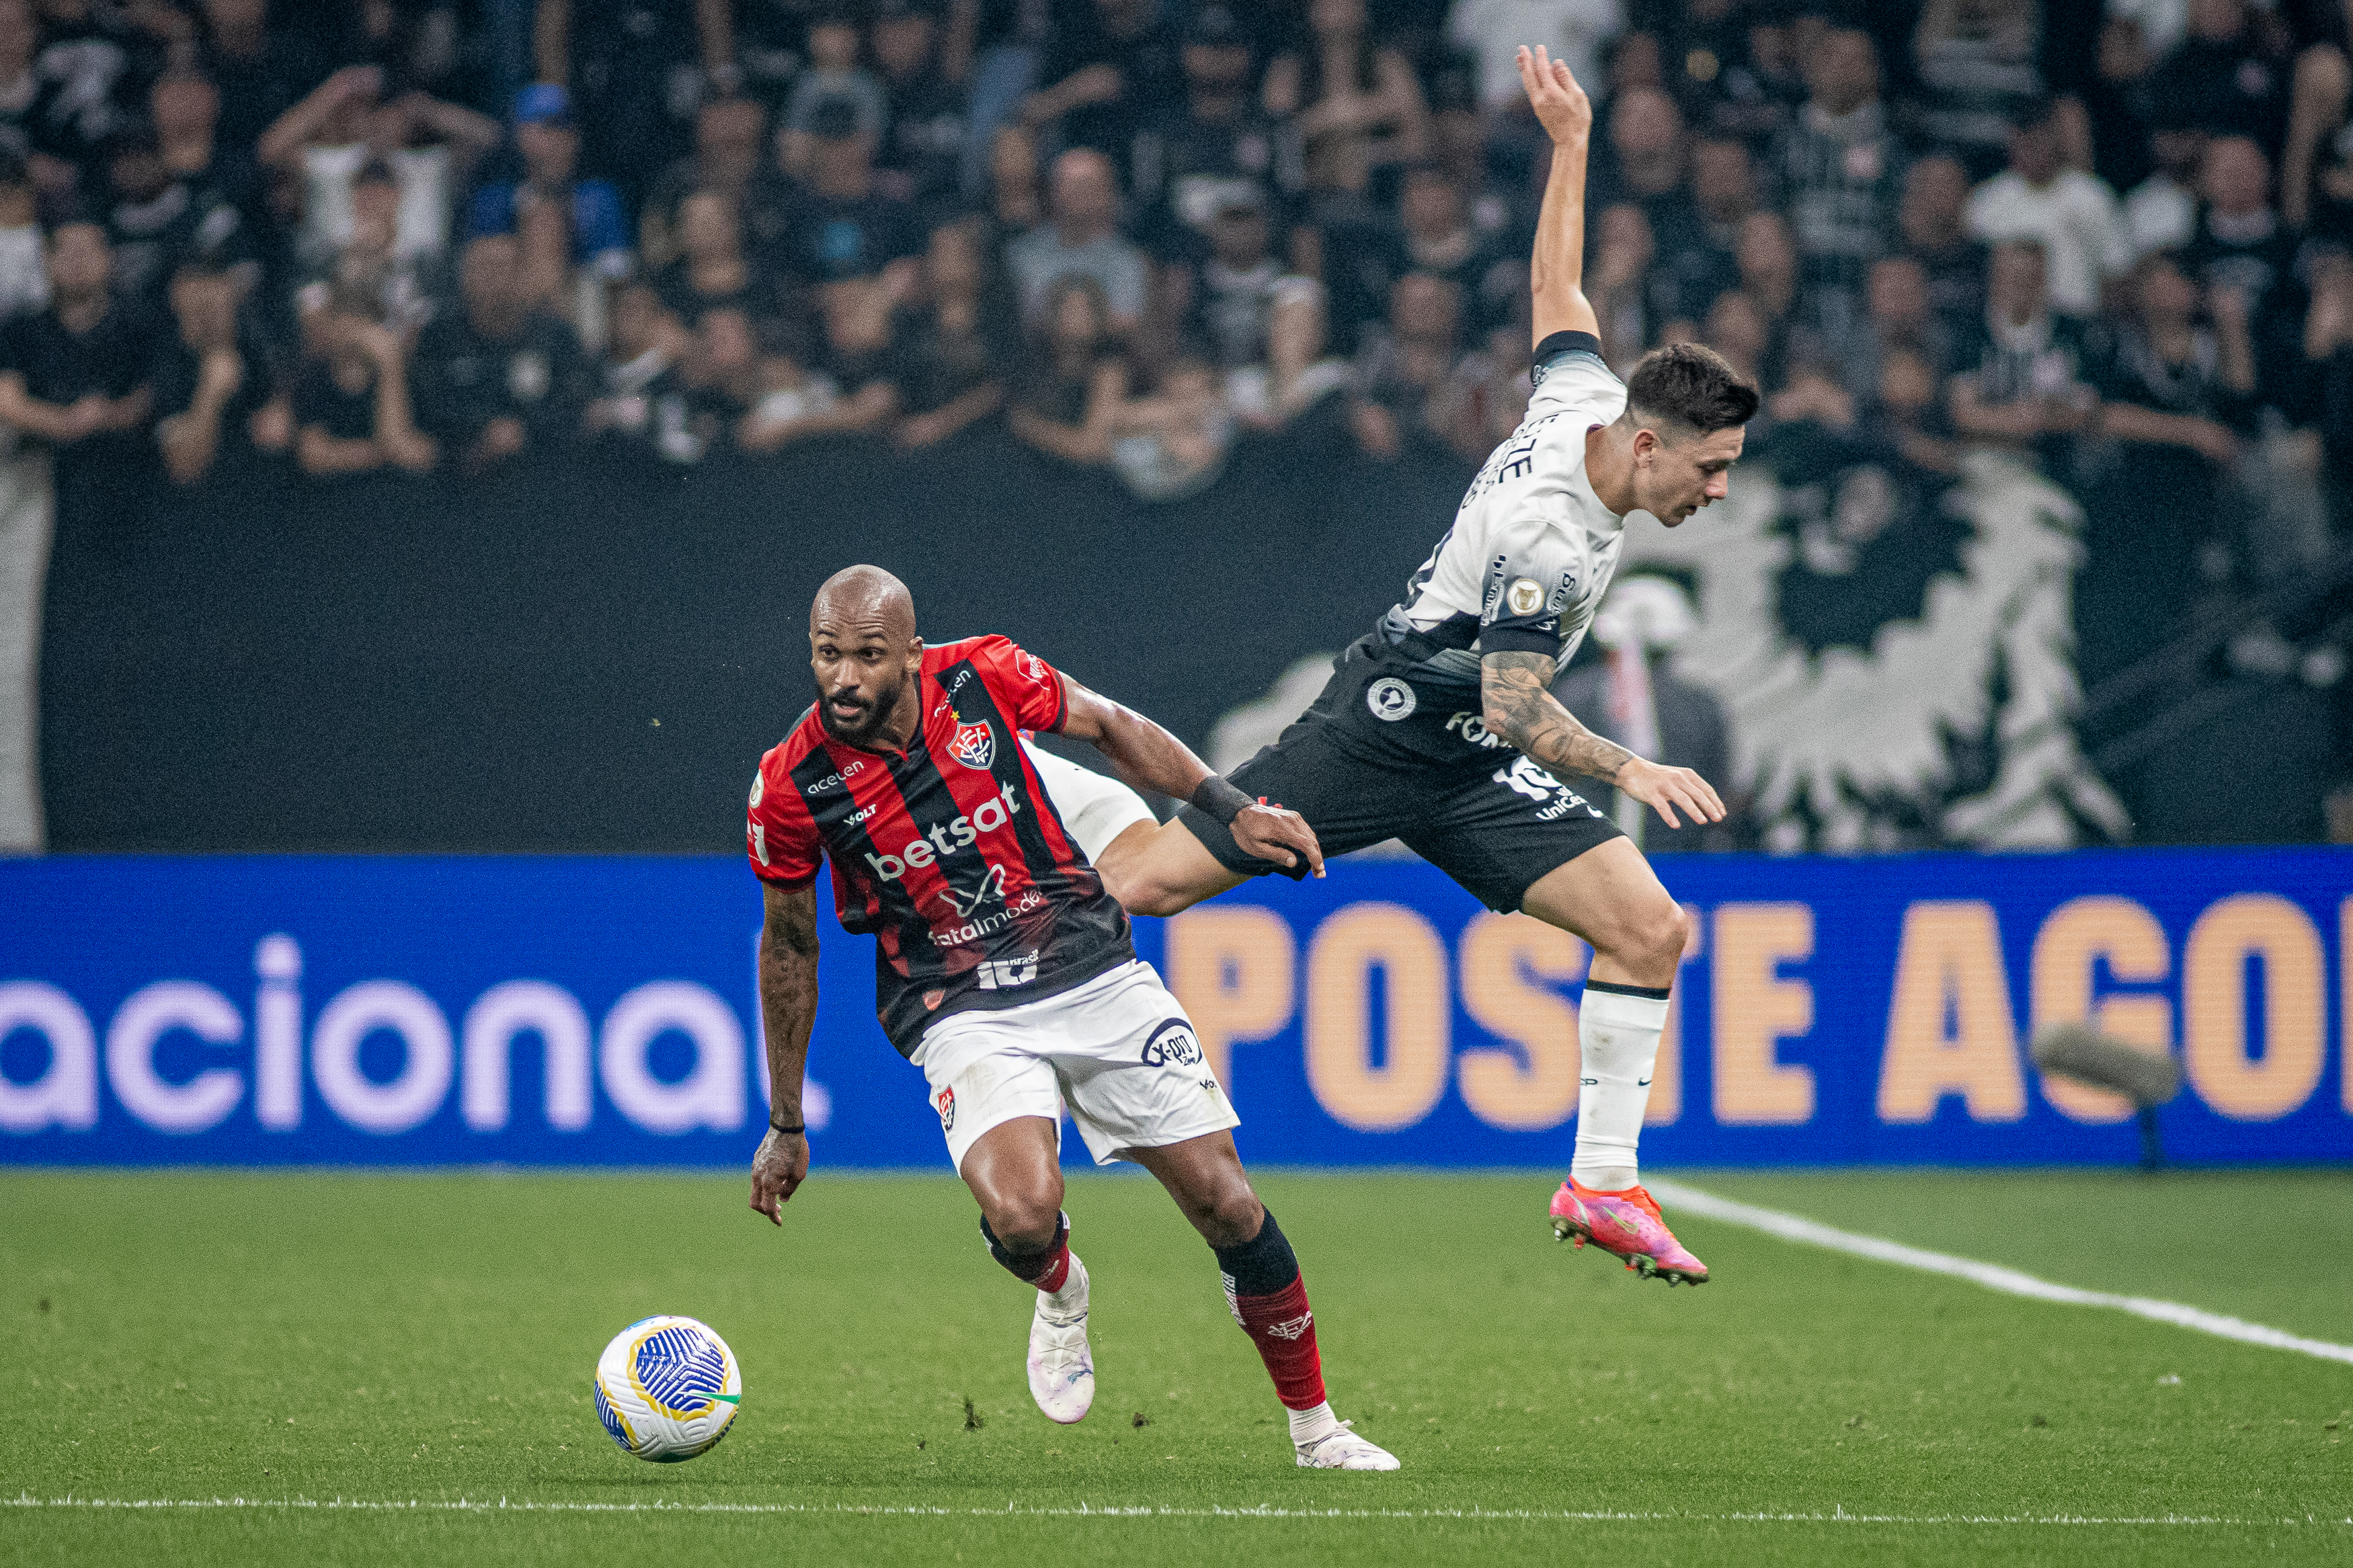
(1691, 386)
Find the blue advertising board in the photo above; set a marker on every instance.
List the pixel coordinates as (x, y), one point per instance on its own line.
(602, 1011)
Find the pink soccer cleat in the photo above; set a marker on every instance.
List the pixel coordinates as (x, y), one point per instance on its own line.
(1624, 1225)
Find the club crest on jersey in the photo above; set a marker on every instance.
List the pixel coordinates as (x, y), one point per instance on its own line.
(975, 746)
(1390, 698)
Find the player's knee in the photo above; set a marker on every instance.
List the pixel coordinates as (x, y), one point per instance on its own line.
(1026, 1222)
(1653, 938)
(1233, 1219)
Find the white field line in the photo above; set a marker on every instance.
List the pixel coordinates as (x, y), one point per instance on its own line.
(1147, 1511)
(1992, 1276)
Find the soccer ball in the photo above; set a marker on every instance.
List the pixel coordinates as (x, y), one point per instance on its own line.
(667, 1388)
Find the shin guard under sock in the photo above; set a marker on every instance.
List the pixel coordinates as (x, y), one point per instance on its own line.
(1048, 1271)
(1270, 1302)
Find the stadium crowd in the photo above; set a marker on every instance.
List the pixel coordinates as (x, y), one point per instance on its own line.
(1136, 230)
(2116, 244)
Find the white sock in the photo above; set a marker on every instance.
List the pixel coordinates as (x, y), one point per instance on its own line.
(1618, 1037)
(1069, 1303)
(1313, 1425)
(1096, 808)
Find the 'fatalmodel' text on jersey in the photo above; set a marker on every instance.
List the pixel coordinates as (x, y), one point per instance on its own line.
(951, 854)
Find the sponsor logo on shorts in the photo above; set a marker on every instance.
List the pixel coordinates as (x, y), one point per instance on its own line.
(1172, 1045)
(1390, 698)
(1006, 974)
(974, 745)
(1474, 729)
(1524, 777)
(1035, 668)
(945, 1101)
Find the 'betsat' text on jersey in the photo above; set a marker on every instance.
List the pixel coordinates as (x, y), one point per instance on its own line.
(951, 854)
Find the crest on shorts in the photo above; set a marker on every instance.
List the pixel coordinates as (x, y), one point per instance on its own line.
(946, 1101)
(974, 745)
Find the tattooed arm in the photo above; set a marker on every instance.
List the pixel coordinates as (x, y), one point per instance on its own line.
(1516, 690)
(788, 1010)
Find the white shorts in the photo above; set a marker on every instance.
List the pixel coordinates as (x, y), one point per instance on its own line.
(1117, 1051)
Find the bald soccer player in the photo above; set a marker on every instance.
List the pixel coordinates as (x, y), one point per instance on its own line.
(1004, 971)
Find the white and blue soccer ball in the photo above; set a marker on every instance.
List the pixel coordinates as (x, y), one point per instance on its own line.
(667, 1388)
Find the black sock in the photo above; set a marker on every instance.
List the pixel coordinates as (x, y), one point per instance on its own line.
(1260, 1266)
(1028, 1265)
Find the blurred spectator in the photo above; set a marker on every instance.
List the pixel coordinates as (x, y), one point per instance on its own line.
(1435, 234)
(1899, 319)
(2172, 381)
(22, 132)
(1404, 368)
(154, 218)
(1908, 406)
(89, 57)
(261, 71)
(344, 126)
(1840, 170)
(2161, 212)
(74, 376)
(24, 250)
(548, 143)
(1173, 443)
(1767, 259)
(833, 85)
(1072, 377)
(1625, 286)
(922, 156)
(212, 378)
(1082, 238)
(1736, 327)
(1223, 292)
(840, 225)
(1492, 31)
(713, 270)
(184, 108)
(2219, 81)
(2329, 345)
(633, 65)
(1644, 164)
(497, 377)
(1298, 374)
(1975, 63)
(1358, 109)
(2073, 215)
(370, 275)
(1187, 159)
(1738, 77)
(1004, 42)
(728, 134)
(1111, 69)
(956, 344)
(2119, 108)
(1016, 201)
(728, 378)
(2022, 385)
(2316, 168)
(2240, 246)
(861, 355)
(351, 402)
(1931, 224)
(641, 394)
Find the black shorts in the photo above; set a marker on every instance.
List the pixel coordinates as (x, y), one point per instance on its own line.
(1432, 776)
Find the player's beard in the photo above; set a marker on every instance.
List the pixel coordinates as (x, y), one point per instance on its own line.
(862, 731)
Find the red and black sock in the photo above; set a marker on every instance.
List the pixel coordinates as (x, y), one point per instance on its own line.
(1049, 1270)
(1270, 1302)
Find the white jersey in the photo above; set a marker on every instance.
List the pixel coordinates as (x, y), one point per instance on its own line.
(1532, 547)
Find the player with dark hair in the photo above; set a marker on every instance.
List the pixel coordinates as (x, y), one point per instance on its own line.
(1004, 970)
(1441, 728)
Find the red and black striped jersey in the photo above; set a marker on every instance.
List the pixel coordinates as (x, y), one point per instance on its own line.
(950, 853)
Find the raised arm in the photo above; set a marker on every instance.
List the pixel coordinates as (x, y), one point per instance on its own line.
(1147, 756)
(788, 1011)
(1557, 273)
(1516, 690)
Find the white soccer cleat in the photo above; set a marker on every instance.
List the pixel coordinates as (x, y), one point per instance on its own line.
(1344, 1450)
(1062, 1366)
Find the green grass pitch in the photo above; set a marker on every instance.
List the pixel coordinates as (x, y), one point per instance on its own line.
(295, 1339)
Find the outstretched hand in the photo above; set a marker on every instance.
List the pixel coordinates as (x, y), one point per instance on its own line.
(1561, 106)
(777, 1171)
(1663, 788)
(1272, 833)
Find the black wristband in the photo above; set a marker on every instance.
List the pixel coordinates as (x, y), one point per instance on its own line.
(796, 1130)
(1220, 798)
